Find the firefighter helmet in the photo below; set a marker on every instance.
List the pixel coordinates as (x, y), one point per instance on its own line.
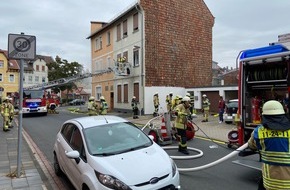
(171, 93)
(102, 98)
(185, 99)
(4, 98)
(204, 95)
(187, 94)
(273, 107)
(134, 97)
(92, 98)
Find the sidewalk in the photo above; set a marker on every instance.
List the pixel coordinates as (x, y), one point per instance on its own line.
(34, 176)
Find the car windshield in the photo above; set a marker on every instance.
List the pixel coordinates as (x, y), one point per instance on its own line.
(232, 105)
(115, 138)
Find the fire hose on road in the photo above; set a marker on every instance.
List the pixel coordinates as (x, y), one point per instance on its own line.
(200, 153)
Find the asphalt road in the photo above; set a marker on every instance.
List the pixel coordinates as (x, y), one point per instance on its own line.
(224, 176)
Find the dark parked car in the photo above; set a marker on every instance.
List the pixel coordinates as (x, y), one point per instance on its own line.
(77, 102)
(231, 111)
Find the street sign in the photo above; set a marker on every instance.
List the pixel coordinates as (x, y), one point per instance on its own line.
(21, 46)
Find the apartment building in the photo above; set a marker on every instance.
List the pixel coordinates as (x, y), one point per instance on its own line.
(9, 75)
(164, 46)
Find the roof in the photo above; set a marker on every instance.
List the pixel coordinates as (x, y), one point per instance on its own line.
(91, 121)
(272, 49)
(12, 63)
(131, 7)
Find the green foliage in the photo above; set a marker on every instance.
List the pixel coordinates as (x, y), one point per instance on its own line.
(61, 68)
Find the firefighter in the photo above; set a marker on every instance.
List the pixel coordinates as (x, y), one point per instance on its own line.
(169, 101)
(272, 139)
(5, 112)
(92, 106)
(182, 111)
(11, 115)
(134, 105)
(103, 106)
(156, 104)
(205, 108)
(175, 102)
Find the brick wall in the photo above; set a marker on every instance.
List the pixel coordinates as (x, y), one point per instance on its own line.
(178, 43)
(231, 78)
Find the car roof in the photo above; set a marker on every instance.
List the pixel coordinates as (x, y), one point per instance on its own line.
(90, 121)
(234, 100)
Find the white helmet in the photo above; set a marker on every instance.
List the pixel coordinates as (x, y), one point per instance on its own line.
(91, 98)
(134, 97)
(171, 93)
(204, 95)
(102, 98)
(273, 107)
(185, 99)
(187, 94)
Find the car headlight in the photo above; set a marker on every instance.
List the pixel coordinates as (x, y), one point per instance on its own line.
(111, 182)
(174, 168)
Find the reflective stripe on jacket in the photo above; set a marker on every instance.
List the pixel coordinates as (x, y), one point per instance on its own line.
(181, 120)
(275, 154)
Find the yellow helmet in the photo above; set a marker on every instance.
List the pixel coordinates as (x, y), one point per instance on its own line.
(273, 107)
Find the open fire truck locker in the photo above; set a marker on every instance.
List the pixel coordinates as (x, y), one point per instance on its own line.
(264, 75)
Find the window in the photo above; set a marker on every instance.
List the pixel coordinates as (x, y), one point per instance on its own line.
(36, 79)
(136, 57)
(135, 22)
(98, 92)
(106, 88)
(125, 33)
(76, 140)
(125, 93)
(108, 38)
(11, 78)
(99, 43)
(37, 67)
(136, 91)
(43, 79)
(1, 63)
(43, 68)
(29, 78)
(119, 91)
(66, 131)
(118, 32)
(1, 77)
(109, 62)
(125, 55)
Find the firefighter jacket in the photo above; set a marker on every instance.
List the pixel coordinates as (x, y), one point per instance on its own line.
(103, 107)
(169, 100)
(91, 105)
(274, 147)
(205, 104)
(156, 100)
(175, 102)
(5, 109)
(181, 119)
(134, 104)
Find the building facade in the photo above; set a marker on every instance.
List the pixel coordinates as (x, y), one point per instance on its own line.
(164, 46)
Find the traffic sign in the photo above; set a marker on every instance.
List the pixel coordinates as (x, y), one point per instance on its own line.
(21, 46)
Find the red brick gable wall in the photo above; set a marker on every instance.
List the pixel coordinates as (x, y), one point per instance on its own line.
(231, 78)
(178, 43)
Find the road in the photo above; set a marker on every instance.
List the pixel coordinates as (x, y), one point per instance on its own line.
(224, 176)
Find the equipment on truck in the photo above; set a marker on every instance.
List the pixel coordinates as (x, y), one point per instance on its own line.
(263, 75)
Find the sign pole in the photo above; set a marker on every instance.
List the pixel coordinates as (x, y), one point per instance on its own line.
(20, 118)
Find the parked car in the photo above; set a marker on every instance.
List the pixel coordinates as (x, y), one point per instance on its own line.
(108, 152)
(231, 111)
(77, 102)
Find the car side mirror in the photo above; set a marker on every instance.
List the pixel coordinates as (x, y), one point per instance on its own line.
(73, 155)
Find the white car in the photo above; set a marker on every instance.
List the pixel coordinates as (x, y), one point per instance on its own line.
(231, 111)
(108, 152)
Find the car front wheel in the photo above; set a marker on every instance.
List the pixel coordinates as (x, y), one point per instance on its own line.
(56, 166)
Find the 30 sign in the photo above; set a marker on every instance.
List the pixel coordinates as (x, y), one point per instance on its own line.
(21, 47)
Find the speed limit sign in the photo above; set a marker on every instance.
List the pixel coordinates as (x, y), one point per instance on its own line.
(21, 46)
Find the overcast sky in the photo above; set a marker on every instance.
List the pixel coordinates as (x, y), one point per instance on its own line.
(61, 27)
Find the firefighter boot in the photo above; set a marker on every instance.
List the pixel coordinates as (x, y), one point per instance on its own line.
(183, 150)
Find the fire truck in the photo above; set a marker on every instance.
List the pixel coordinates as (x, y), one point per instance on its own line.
(263, 76)
(35, 99)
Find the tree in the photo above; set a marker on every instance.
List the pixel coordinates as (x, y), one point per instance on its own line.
(61, 68)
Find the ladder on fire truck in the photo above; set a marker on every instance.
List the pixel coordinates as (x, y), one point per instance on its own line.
(67, 80)
(120, 69)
